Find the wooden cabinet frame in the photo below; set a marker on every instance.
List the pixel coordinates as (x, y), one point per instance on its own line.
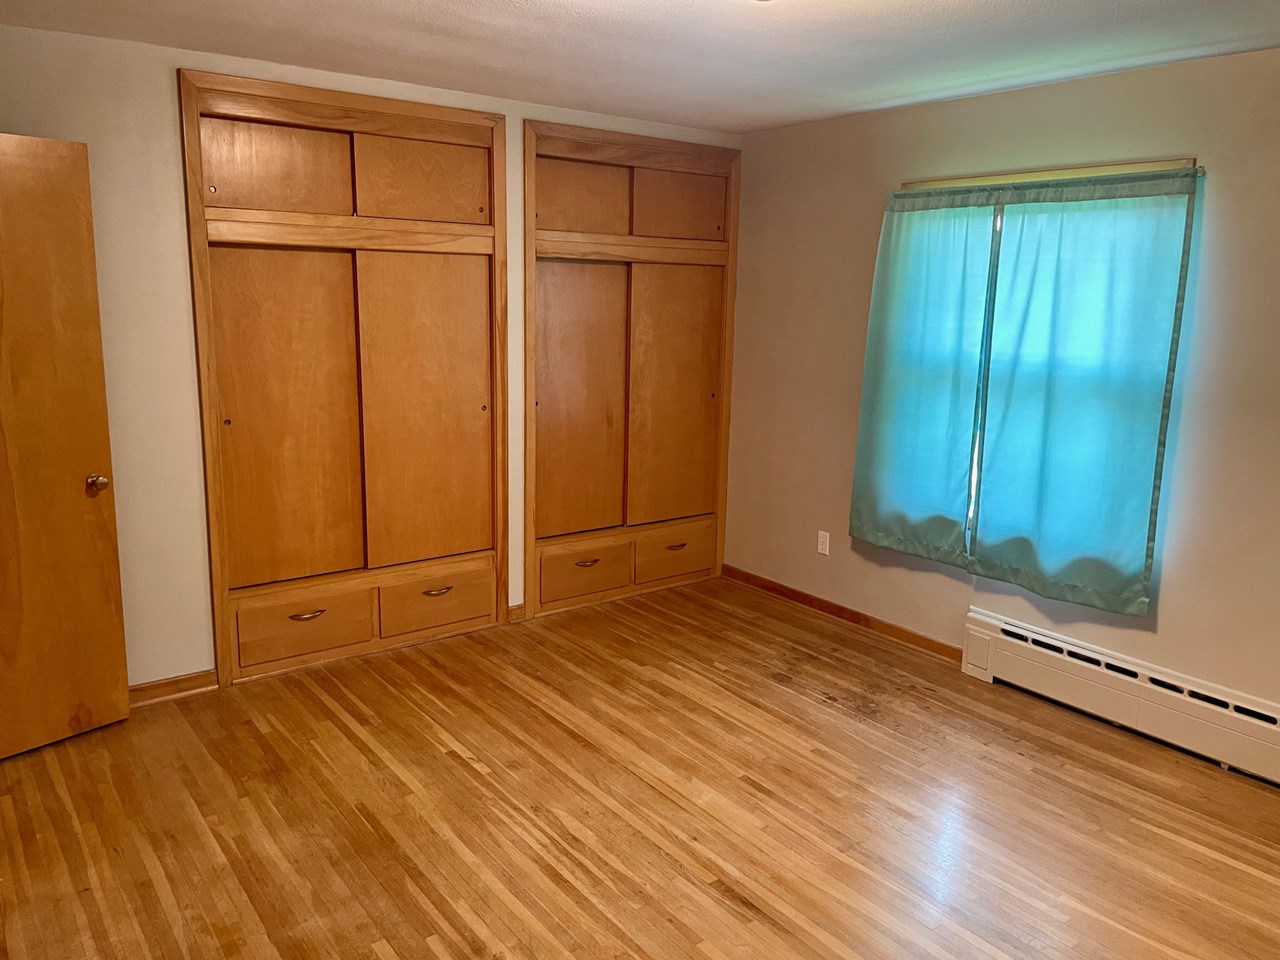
(544, 139)
(213, 95)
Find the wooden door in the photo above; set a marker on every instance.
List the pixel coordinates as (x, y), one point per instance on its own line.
(425, 362)
(284, 343)
(62, 662)
(669, 203)
(673, 434)
(421, 180)
(262, 166)
(583, 197)
(581, 382)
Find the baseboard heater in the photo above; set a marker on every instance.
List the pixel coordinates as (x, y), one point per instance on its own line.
(1234, 729)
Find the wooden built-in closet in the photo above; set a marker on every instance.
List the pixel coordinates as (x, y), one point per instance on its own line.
(348, 265)
(630, 246)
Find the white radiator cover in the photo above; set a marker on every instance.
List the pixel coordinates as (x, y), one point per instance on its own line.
(1234, 729)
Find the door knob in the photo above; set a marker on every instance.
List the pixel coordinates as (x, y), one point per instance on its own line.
(95, 483)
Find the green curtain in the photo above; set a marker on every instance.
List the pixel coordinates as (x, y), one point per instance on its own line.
(1020, 362)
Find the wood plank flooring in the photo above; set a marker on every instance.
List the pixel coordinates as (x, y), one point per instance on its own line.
(707, 773)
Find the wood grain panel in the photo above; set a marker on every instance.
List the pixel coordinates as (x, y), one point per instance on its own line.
(425, 363)
(696, 774)
(224, 628)
(583, 197)
(283, 337)
(726, 352)
(392, 118)
(529, 536)
(420, 180)
(672, 204)
(673, 428)
(319, 221)
(346, 236)
(319, 621)
(580, 571)
(562, 245)
(629, 149)
(466, 593)
(210, 84)
(675, 551)
(62, 661)
(580, 406)
(498, 287)
(268, 167)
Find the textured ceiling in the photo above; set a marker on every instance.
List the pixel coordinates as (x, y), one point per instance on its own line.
(732, 65)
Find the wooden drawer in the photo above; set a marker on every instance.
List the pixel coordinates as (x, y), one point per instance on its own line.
(673, 204)
(421, 180)
(585, 570)
(276, 629)
(675, 551)
(261, 166)
(437, 600)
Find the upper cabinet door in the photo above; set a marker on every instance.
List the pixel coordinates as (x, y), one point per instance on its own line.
(689, 206)
(673, 450)
(283, 336)
(583, 197)
(421, 180)
(263, 166)
(427, 404)
(581, 377)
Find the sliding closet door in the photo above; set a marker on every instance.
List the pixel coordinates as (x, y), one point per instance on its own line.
(581, 378)
(283, 336)
(673, 447)
(425, 383)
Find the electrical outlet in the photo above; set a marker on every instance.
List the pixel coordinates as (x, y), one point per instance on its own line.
(824, 542)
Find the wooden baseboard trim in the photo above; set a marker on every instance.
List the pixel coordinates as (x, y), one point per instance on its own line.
(516, 613)
(831, 608)
(172, 688)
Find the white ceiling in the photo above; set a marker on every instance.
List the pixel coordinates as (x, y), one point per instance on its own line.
(731, 65)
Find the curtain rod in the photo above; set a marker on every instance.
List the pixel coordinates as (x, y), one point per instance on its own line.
(1061, 173)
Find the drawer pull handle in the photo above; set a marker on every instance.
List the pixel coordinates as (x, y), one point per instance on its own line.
(586, 563)
(438, 592)
(677, 546)
(304, 617)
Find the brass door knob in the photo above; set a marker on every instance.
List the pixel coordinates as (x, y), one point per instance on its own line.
(95, 483)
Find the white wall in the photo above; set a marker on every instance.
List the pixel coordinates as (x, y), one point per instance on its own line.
(812, 201)
(121, 99)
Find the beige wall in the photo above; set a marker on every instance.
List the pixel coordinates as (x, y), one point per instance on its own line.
(121, 99)
(811, 210)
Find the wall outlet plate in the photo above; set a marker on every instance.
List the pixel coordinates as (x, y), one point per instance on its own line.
(824, 543)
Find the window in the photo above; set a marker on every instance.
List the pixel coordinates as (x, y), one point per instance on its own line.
(1020, 362)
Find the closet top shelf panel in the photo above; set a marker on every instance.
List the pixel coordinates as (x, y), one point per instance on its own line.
(580, 143)
(265, 146)
(567, 245)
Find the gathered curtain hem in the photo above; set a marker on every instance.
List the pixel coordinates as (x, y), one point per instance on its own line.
(929, 551)
(1133, 603)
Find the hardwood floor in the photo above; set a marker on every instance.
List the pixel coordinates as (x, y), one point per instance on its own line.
(707, 773)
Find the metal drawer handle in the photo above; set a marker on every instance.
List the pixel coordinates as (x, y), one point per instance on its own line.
(438, 592)
(586, 563)
(677, 546)
(304, 617)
